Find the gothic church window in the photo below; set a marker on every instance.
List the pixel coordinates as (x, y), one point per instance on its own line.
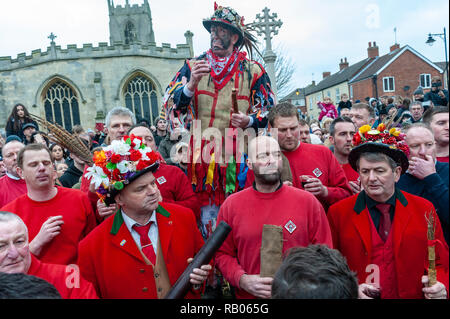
(130, 33)
(61, 105)
(140, 97)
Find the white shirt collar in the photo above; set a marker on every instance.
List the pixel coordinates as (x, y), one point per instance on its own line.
(13, 177)
(129, 222)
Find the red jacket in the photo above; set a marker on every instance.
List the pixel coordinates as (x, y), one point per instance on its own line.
(111, 260)
(175, 188)
(350, 226)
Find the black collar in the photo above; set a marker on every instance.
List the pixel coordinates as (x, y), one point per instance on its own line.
(281, 184)
(361, 201)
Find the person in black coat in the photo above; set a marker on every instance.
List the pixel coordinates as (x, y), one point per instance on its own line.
(425, 176)
(17, 119)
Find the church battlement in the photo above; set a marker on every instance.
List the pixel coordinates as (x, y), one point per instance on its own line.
(88, 51)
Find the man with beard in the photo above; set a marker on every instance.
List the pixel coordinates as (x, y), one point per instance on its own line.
(342, 130)
(268, 202)
(202, 91)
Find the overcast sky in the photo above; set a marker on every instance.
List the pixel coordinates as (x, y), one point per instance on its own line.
(314, 34)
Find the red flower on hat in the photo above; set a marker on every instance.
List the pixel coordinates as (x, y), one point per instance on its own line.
(135, 155)
(115, 158)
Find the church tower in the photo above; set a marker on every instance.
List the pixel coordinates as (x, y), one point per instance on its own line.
(130, 24)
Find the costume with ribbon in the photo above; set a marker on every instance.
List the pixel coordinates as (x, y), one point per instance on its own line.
(216, 169)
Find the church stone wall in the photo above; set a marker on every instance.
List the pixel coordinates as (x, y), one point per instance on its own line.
(97, 74)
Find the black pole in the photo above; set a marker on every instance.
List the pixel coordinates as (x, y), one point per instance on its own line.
(203, 257)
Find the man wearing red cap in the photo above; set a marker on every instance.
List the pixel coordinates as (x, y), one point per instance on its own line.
(143, 249)
(382, 231)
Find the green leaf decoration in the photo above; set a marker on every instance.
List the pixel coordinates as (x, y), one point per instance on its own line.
(111, 166)
(118, 186)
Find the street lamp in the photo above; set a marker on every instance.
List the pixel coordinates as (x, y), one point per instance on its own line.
(430, 42)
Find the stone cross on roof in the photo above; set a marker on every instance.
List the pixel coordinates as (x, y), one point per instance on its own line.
(267, 25)
(52, 37)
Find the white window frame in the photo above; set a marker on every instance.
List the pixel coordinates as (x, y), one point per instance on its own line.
(351, 91)
(310, 103)
(387, 89)
(427, 80)
(338, 95)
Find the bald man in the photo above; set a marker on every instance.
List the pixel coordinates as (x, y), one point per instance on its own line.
(268, 202)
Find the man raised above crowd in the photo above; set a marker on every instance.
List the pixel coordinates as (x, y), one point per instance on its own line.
(268, 210)
(314, 167)
(203, 90)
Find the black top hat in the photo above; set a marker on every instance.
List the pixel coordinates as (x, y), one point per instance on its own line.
(228, 18)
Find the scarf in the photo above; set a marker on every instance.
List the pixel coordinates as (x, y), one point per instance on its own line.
(222, 69)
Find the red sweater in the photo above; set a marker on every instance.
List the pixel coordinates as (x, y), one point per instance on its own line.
(10, 189)
(350, 173)
(175, 188)
(248, 210)
(66, 279)
(78, 218)
(318, 161)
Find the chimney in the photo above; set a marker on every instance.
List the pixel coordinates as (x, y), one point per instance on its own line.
(343, 64)
(372, 50)
(313, 83)
(326, 74)
(394, 47)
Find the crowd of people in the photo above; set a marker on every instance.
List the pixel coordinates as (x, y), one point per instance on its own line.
(345, 206)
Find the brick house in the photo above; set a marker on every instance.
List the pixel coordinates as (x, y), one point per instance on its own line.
(398, 72)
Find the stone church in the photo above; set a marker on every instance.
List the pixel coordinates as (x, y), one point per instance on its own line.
(79, 85)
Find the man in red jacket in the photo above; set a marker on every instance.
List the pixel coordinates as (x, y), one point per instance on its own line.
(382, 231)
(313, 166)
(146, 246)
(15, 257)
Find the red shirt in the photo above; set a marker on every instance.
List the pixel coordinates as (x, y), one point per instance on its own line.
(10, 189)
(318, 161)
(175, 188)
(248, 210)
(78, 218)
(443, 159)
(350, 173)
(66, 279)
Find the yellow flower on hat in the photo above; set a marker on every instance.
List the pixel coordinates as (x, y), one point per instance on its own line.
(365, 128)
(393, 131)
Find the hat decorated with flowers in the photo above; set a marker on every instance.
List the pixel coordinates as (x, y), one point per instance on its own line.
(120, 163)
(380, 140)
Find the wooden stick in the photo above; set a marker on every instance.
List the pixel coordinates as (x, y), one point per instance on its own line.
(431, 227)
(234, 93)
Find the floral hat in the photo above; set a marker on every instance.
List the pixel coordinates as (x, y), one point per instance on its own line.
(228, 17)
(119, 164)
(392, 143)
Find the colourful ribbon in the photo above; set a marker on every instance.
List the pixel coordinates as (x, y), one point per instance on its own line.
(212, 166)
(231, 176)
